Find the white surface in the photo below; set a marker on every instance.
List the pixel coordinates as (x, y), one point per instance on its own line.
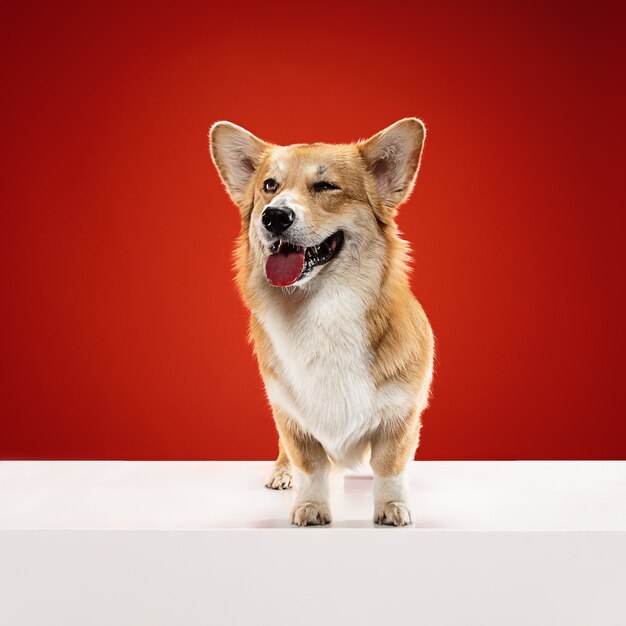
(491, 495)
(186, 544)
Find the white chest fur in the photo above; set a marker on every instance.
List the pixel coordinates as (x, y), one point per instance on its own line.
(324, 379)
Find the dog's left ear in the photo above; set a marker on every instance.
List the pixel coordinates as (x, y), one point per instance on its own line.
(393, 157)
(236, 154)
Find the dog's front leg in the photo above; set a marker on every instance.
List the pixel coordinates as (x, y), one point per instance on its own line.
(308, 458)
(392, 449)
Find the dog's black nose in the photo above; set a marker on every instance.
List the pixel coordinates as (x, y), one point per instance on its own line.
(277, 219)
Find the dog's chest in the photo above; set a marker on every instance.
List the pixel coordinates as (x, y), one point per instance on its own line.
(324, 376)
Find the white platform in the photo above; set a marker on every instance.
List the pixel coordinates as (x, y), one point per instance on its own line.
(190, 543)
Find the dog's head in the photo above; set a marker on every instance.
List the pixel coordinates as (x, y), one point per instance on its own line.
(309, 208)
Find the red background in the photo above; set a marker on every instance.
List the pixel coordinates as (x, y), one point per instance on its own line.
(122, 334)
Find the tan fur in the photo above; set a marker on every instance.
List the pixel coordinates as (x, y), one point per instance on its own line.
(374, 178)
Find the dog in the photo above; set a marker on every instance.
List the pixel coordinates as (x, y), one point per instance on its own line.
(344, 348)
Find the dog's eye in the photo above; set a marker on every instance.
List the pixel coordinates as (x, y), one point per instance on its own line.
(324, 185)
(270, 186)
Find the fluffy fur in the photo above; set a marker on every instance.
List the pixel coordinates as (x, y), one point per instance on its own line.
(346, 353)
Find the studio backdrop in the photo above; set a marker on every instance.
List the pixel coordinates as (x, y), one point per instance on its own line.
(122, 333)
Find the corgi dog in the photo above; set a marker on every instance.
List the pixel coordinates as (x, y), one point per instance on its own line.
(344, 348)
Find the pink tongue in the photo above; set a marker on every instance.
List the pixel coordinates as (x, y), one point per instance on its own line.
(284, 269)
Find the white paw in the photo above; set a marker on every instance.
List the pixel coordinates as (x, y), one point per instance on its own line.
(311, 514)
(393, 514)
(280, 478)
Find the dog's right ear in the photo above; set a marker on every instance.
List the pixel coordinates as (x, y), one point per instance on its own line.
(236, 154)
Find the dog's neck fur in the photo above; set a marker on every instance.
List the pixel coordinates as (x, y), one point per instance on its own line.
(322, 353)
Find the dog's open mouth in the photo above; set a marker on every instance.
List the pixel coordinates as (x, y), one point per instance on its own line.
(288, 263)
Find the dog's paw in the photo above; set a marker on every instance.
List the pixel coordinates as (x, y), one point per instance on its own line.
(393, 514)
(311, 514)
(280, 478)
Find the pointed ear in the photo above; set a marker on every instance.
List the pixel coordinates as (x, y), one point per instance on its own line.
(393, 157)
(236, 154)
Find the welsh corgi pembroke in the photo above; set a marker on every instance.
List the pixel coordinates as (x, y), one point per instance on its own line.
(344, 348)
